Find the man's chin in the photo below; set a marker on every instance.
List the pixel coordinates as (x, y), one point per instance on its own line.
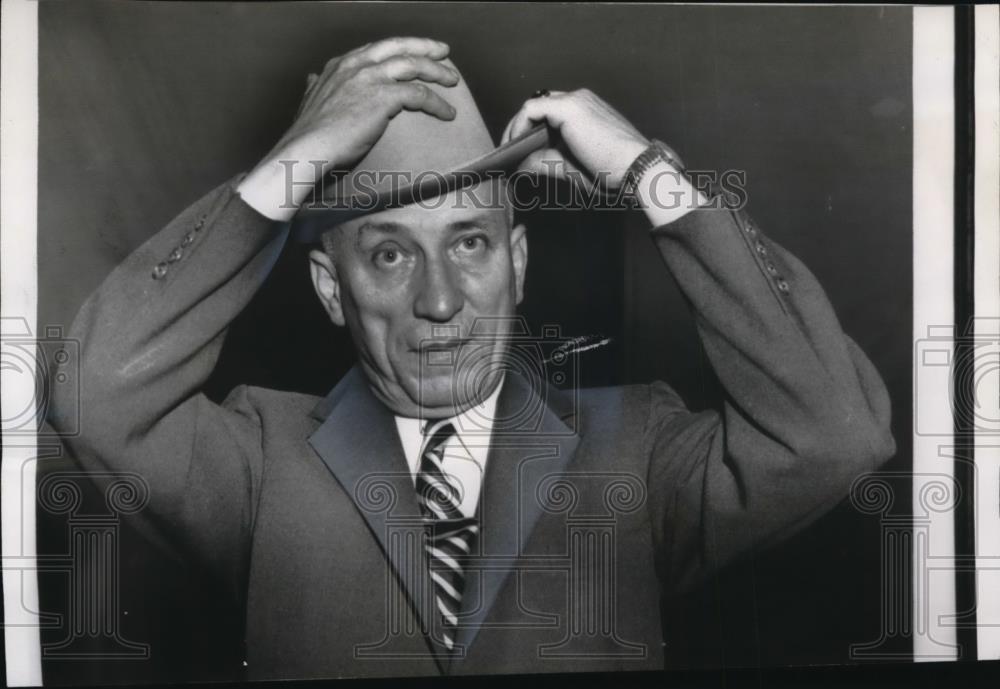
(426, 408)
(437, 396)
(440, 397)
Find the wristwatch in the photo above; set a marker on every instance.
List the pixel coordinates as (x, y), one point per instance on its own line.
(656, 152)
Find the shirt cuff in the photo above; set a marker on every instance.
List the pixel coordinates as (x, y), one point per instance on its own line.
(666, 194)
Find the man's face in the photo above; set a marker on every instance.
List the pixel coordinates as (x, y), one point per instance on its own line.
(410, 283)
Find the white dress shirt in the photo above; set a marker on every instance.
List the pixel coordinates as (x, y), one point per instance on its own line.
(465, 452)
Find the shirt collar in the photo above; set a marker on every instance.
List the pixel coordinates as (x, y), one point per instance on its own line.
(473, 428)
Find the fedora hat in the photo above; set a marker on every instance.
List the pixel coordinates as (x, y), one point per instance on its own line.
(418, 157)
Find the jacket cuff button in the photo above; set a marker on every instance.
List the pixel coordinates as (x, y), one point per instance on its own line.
(159, 271)
(783, 286)
(188, 239)
(175, 255)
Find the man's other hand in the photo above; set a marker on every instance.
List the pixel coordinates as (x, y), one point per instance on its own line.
(598, 139)
(595, 135)
(345, 110)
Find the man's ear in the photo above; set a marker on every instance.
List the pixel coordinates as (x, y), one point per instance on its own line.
(326, 284)
(519, 256)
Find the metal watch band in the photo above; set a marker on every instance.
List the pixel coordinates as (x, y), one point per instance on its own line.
(656, 152)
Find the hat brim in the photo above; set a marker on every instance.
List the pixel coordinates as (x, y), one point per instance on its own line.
(316, 217)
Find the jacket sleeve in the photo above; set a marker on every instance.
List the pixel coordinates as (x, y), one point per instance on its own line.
(805, 411)
(149, 338)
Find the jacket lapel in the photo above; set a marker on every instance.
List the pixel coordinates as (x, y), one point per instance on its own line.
(359, 443)
(533, 438)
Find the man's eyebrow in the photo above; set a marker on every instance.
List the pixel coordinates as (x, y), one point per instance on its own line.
(484, 221)
(380, 227)
(376, 227)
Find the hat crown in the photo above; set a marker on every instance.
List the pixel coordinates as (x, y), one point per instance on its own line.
(418, 157)
(415, 143)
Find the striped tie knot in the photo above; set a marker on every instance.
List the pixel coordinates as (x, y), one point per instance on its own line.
(436, 434)
(437, 493)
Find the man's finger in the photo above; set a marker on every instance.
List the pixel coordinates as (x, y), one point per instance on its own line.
(408, 68)
(524, 120)
(520, 123)
(505, 137)
(311, 82)
(548, 162)
(414, 95)
(551, 163)
(516, 123)
(307, 97)
(390, 47)
(550, 109)
(332, 62)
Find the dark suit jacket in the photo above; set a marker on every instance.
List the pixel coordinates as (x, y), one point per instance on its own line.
(593, 500)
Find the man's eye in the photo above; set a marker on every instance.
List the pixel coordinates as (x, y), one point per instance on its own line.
(387, 257)
(472, 244)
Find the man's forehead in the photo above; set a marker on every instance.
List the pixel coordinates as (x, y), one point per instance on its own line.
(484, 204)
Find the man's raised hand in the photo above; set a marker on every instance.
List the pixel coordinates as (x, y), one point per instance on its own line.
(344, 111)
(600, 140)
(595, 134)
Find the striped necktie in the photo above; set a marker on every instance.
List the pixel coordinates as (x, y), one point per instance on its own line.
(450, 535)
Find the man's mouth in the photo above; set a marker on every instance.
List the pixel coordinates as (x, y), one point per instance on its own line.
(440, 351)
(442, 344)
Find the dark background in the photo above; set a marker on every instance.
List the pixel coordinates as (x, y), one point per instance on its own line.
(146, 106)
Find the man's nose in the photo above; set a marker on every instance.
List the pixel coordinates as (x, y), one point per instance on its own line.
(439, 297)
